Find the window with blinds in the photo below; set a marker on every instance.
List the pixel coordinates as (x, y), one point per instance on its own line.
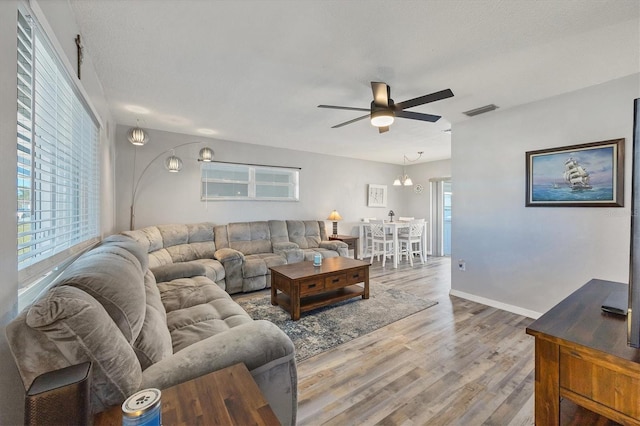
(58, 205)
(231, 181)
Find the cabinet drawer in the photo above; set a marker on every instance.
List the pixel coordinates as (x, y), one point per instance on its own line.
(311, 286)
(354, 277)
(336, 281)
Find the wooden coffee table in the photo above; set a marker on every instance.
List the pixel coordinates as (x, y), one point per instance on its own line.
(225, 397)
(304, 287)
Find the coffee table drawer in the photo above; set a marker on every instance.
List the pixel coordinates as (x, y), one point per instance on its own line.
(335, 281)
(357, 276)
(312, 285)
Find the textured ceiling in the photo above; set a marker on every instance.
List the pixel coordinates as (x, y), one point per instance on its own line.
(255, 71)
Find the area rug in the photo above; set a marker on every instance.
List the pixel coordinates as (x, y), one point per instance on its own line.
(325, 328)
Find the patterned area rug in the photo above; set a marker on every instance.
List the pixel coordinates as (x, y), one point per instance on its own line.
(327, 327)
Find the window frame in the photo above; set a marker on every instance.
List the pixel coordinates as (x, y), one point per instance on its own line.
(36, 276)
(252, 192)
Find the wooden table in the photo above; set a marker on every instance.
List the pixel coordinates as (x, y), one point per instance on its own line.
(582, 355)
(225, 397)
(305, 287)
(351, 241)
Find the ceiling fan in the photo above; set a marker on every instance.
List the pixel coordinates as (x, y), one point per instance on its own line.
(383, 110)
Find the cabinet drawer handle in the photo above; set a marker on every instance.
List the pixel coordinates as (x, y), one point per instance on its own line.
(312, 285)
(355, 275)
(335, 280)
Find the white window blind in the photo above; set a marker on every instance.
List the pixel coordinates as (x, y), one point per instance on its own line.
(58, 207)
(232, 181)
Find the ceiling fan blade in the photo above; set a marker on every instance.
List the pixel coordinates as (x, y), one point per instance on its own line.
(443, 94)
(381, 93)
(343, 107)
(351, 121)
(383, 129)
(418, 116)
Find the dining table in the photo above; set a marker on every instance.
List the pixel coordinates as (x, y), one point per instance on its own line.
(393, 228)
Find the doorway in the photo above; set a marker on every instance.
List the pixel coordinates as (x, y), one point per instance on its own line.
(441, 195)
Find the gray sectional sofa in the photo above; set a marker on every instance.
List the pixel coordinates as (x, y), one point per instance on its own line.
(149, 309)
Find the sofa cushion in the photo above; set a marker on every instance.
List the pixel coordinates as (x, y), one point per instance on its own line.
(113, 276)
(83, 331)
(249, 237)
(304, 233)
(173, 271)
(150, 237)
(279, 232)
(196, 309)
(258, 264)
(154, 341)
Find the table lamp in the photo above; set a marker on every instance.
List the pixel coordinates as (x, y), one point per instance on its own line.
(335, 217)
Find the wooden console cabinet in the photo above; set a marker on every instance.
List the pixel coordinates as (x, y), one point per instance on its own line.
(582, 356)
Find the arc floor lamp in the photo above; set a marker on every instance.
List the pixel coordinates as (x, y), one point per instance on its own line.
(172, 163)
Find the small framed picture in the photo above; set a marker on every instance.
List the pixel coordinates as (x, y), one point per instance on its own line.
(377, 195)
(587, 175)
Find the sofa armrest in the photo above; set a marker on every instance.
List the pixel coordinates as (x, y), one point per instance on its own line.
(173, 271)
(340, 246)
(256, 344)
(228, 255)
(333, 245)
(232, 261)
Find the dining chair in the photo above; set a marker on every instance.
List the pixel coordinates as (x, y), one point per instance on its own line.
(366, 236)
(381, 242)
(411, 242)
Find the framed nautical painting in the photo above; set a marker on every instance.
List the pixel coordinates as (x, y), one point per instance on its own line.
(587, 175)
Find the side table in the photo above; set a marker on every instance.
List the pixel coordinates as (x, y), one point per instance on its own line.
(351, 241)
(224, 397)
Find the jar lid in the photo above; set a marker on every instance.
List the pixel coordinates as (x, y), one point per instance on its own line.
(141, 402)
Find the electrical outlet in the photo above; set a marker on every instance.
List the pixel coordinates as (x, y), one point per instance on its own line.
(462, 265)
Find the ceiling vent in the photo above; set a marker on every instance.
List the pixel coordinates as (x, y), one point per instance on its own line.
(481, 110)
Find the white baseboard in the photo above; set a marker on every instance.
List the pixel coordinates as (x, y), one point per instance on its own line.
(495, 304)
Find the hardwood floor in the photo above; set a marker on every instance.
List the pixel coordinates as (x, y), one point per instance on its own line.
(457, 363)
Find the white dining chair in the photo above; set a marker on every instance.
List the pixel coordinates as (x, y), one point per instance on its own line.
(411, 242)
(366, 236)
(381, 242)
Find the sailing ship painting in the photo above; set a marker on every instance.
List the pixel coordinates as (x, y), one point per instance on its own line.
(574, 175)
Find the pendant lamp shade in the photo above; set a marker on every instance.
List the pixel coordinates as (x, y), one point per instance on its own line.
(173, 164)
(137, 136)
(206, 155)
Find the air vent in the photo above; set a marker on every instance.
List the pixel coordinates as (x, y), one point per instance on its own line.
(481, 110)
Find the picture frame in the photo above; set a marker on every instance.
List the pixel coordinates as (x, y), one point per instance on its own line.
(585, 175)
(377, 195)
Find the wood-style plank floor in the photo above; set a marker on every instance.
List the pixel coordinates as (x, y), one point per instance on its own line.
(457, 363)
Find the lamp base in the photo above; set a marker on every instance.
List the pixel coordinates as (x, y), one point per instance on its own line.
(335, 229)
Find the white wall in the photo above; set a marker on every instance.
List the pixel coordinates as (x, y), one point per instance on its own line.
(326, 183)
(418, 205)
(60, 18)
(529, 258)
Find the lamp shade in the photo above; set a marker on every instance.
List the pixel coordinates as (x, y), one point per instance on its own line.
(407, 181)
(206, 155)
(137, 136)
(397, 182)
(173, 164)
(334, 216)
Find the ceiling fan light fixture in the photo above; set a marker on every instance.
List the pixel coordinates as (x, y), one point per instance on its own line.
(382, 118)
